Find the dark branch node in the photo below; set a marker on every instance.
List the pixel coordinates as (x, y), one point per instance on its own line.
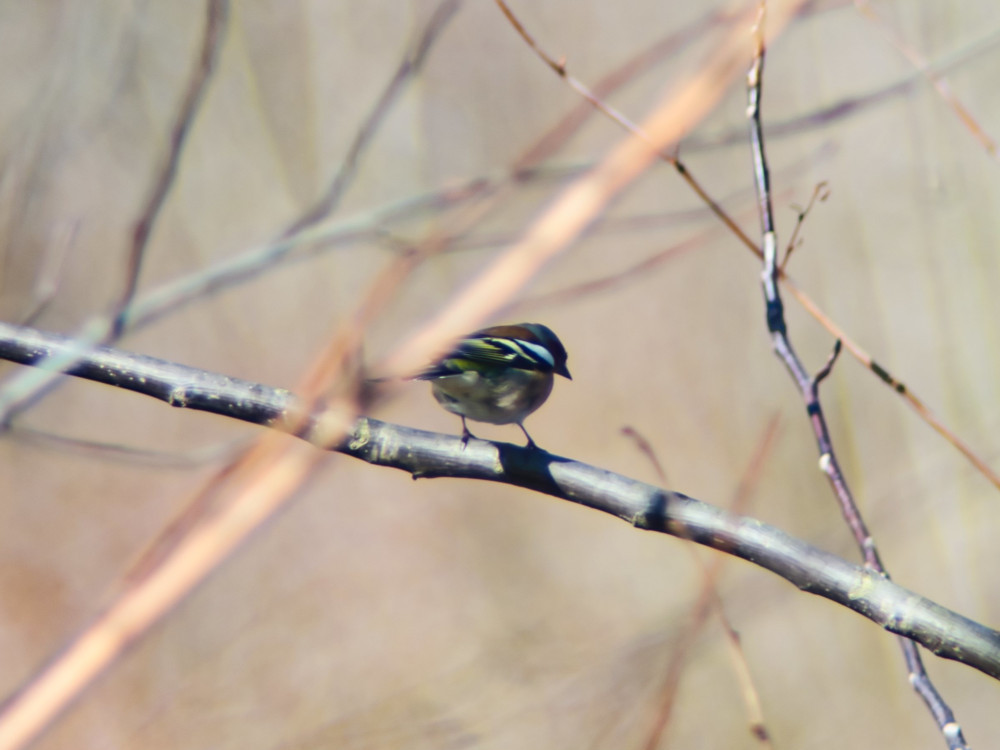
(776, 317)
(875, 367)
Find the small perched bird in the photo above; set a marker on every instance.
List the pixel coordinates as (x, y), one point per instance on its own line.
(498, 375)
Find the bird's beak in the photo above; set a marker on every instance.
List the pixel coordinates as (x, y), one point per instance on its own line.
(562, 370)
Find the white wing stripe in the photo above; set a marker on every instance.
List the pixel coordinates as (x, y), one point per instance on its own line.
(537, 352)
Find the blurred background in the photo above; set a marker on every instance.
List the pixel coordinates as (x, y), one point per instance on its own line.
(379, 612)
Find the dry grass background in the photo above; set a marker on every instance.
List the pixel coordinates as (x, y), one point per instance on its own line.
(379, 612)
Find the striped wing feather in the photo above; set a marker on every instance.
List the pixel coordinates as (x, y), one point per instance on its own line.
(487, 348)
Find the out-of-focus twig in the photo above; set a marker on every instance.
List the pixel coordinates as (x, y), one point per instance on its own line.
(937, 80)
(413, 61)
(117, 452)
(47, 285)
(215, 27)
(851, 106)
(820, 193)
(708, 601)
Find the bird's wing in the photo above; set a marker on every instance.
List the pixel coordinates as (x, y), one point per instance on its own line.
(484, 351)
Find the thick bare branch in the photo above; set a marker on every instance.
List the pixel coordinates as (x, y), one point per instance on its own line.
(428, 454)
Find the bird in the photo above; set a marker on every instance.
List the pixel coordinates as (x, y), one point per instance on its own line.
(498, 375)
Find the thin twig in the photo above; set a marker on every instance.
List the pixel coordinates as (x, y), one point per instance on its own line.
(819, 193)
(117, 452)
(852, 106)
(809, 387)
(215, 26)
(937, 80)
(191, 287)
(410, 66)
(646, 449)
(47, 285)
(618, 77)
(559, 67)
(586, 289)
(708, 601)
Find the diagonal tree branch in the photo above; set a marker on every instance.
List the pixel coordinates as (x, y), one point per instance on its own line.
(427, 454)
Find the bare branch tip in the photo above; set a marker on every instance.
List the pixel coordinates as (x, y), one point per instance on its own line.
(828, 367)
